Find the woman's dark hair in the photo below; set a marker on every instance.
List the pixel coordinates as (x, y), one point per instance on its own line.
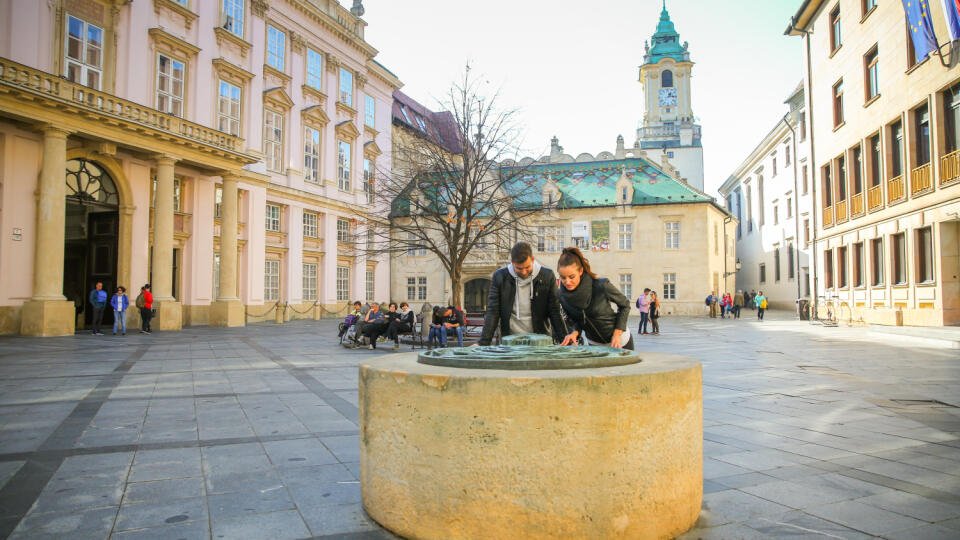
(573, 255)
(404, 304)
(392, 305)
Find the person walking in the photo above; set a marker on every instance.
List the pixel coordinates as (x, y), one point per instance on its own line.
(751, 296)
(761, 301)
(98, 300)
(655, 313)
(737, 304)
(120, 302)
(145, 303)
(522, 299)
(726, 304)
(586, 298)
(643, 304)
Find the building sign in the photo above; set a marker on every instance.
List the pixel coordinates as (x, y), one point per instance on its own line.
(600, 235)
(580, 235)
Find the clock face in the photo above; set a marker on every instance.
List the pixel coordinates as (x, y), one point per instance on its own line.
(668, 97)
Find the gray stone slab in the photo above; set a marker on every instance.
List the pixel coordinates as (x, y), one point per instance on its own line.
(345, 448)
(159, 514)
(299, 453)
(163, 490)
(166, 464)
(224, 505)
(286, 524)
(330, 493)
(864, 518)
(190, 530)
(243, 481)
(912, 505)
(85, 522)
(800, 525)
(339, 520)
(793, 494)
(8, 469)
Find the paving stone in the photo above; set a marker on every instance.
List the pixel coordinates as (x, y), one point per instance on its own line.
(339, 520)
(88, 521)
(163, 490)
(158, 514)
(912, 505)
(223, 505)
(274, 525)
(190, 530)
(864, 518)
(298, 453)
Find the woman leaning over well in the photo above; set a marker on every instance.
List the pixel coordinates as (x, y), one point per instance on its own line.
(586, 298)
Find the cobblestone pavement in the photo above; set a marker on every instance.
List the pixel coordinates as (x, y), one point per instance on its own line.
(809, 432)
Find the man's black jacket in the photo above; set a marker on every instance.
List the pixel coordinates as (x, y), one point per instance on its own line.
(544, 305)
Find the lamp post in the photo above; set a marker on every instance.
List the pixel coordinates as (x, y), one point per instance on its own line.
(736, 266)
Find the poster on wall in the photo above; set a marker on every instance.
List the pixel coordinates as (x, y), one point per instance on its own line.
(580, 234)
(600, 235)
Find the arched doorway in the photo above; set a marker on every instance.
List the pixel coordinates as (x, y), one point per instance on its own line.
(475, 294)
(92, 226)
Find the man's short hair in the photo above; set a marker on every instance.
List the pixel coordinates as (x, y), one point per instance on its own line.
(647, 289)
(521, 252)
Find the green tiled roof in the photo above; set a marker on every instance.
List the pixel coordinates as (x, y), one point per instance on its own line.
(592, 184)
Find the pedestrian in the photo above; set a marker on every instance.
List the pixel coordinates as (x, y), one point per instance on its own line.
(145, 303)
(750, 298)
(453, 319)
(737, 303)
(655, 312)
(98, 300)
(728, 304)
(403, 323)
(714, 305)
(523, 299)
(120, 303)
(761, 301)
(643, 304)
(372, 323)
(437, 331)
(586, 298)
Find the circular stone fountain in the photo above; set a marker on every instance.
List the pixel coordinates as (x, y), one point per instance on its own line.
(531, 440)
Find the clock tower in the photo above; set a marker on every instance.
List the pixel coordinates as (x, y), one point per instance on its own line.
(668, 121)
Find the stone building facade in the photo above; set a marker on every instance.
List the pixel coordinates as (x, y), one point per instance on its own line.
(885, 165)
(217, 149)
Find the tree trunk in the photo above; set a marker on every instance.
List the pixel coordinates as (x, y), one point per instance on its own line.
(456, 291)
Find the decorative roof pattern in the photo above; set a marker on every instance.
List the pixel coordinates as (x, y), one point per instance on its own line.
(594, 184)
(666, 42)
(439, 127)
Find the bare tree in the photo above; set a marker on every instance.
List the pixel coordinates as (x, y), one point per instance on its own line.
(454, 194)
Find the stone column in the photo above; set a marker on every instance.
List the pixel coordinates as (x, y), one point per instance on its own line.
(228, 310)
(169, 313)
(48, 313)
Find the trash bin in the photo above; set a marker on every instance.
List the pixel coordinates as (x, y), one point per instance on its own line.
(804, 306)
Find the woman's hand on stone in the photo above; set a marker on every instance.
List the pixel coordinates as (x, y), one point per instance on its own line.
(570, 339)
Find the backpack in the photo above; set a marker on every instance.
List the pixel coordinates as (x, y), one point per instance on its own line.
(707, 301)
(141, 302)
(763, 304)
(638, 302)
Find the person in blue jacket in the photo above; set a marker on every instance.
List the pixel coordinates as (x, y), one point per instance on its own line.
(120, 302)
(98, 299)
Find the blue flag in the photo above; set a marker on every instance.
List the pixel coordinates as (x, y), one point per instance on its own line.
(920, 22)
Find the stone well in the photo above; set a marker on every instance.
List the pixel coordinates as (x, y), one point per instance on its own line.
(593, 452)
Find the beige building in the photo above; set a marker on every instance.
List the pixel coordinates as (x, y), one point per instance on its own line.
(218, 149)
(885, 165)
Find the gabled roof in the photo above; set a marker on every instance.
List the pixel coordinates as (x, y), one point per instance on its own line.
(594, 184)
(438, 127)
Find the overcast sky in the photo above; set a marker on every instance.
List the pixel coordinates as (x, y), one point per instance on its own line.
(571, 66)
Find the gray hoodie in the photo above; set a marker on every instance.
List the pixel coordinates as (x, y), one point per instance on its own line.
(521, 316)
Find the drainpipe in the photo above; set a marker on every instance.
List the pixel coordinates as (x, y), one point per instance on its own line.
(796, 208)
(813, 166)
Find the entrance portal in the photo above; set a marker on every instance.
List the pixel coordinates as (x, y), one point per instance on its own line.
(92, 224)
(475, 294)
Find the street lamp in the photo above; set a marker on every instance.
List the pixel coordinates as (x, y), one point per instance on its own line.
(736, 267)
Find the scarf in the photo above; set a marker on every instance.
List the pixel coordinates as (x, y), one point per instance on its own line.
(581, 296)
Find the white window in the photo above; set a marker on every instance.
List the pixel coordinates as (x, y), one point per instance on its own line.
(310, 225)
(273, 218)
(369, 111)
(170, 75)
(84, 53)
(311, 155)
(228, 109)
(625, 236)
(626, 285)
(670, 286)
(276, 46)
(417, 288)
(343, 165)
(368, 179)
(271, 280)
(309, 281)
(346, 87)
(273, 140)
(671, 235)
(371, 283)
(314, 69)
(414, 249)
(218, 202)
(549, 239)
(343, 230)
(343, 283)
(233, 17)
(216, 276)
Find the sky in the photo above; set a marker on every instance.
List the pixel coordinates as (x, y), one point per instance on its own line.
(570, 67)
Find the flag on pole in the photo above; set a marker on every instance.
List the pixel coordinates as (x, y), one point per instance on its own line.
(951, 13)
(921, 27)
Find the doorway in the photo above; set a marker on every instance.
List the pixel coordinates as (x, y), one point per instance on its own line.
(92, 227)
(475, 294)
